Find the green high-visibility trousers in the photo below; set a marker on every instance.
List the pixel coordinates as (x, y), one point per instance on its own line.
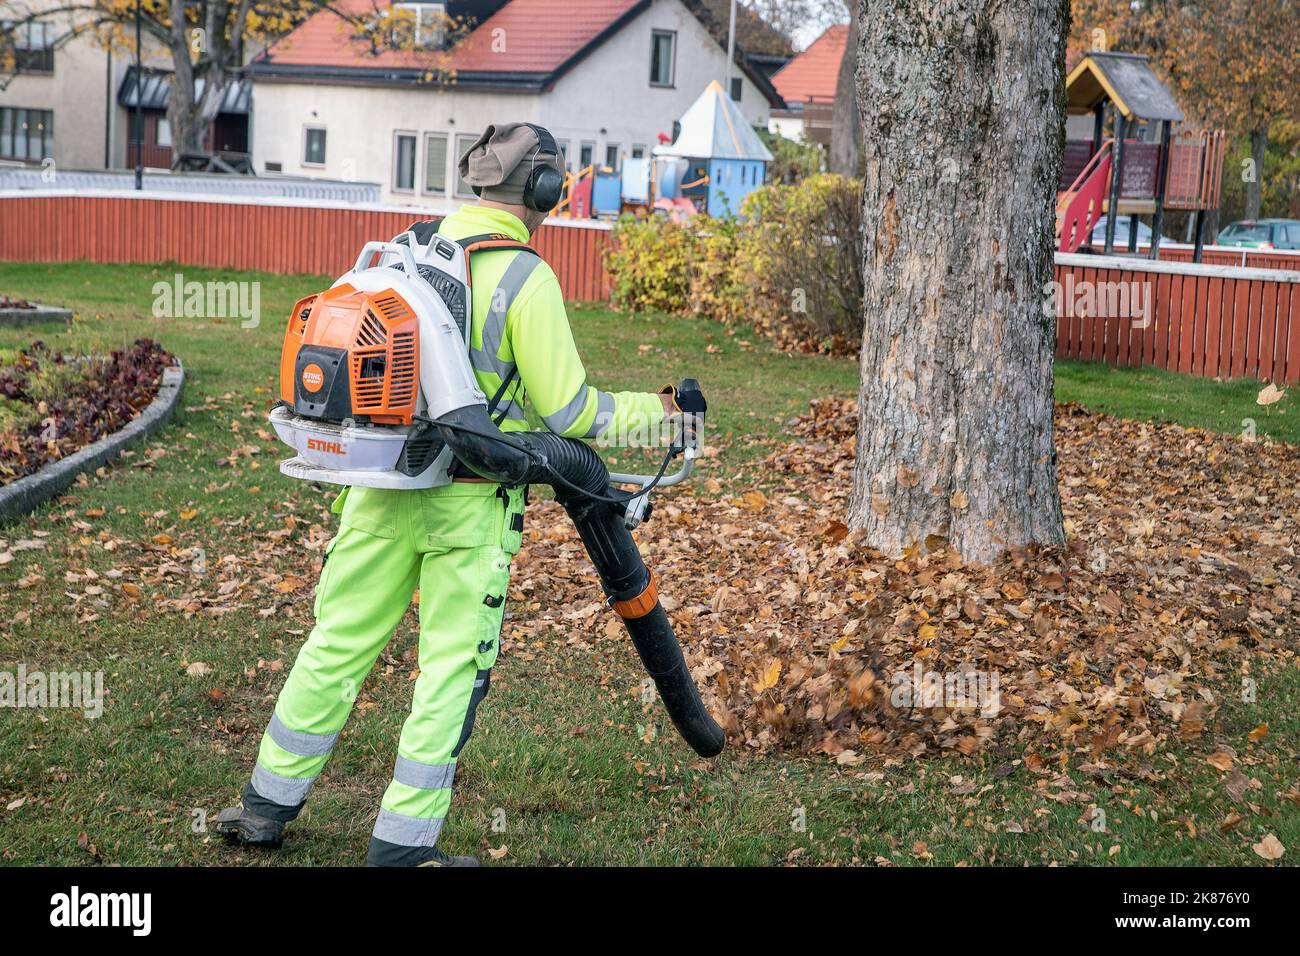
(455, 544)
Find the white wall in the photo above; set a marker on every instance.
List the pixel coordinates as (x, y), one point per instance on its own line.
(605, 99)
(80, 93)
(362, 123)
(610, 90)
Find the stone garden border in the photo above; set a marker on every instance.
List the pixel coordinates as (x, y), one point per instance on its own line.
(29, 492)
(12, 318)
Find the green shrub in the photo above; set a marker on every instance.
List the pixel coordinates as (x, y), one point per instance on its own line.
(791, 264)
(802, 252)
(717, 288)
(648, 262)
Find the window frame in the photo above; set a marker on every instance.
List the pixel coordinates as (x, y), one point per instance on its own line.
(31, 116)
(462, 190)
(29, 58)
(307, 130)
(617, 164)
(398, 136)
(655, 36)
(446, 151)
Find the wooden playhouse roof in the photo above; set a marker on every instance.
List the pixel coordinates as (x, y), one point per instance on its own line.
(1126, 79)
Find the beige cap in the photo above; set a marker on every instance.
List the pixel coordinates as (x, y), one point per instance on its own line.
(500, 160)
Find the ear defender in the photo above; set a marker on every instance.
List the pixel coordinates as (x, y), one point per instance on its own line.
(545, 183)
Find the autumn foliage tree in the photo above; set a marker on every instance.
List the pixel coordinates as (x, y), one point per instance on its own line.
(1231, 63)
(208, 41)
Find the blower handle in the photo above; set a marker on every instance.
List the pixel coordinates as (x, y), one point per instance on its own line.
(399, 249)
(690, 399)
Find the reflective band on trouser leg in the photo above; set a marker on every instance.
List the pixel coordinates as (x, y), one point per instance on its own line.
(459, 632)
(363, 591)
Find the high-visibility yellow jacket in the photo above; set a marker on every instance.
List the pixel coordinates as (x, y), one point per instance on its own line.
(519, 320)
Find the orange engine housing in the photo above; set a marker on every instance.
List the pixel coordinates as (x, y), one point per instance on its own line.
(379, 332)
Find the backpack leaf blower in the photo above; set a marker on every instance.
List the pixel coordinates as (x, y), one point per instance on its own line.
(377, 390)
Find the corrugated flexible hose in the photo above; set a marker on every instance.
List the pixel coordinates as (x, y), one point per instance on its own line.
(537, 458)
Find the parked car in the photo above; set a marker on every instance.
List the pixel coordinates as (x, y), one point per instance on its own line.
(1122, 229)
(1262, 234)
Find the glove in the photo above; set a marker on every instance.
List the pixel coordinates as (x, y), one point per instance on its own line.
(689, 408)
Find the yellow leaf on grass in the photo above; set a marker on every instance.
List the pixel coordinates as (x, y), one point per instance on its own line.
(1259, 733)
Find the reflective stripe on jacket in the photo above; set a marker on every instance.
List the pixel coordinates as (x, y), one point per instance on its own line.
(519, 319)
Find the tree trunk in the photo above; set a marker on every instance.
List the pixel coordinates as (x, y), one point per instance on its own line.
(1258, 143)
(846, 115)
(964, 131)
(215, 54)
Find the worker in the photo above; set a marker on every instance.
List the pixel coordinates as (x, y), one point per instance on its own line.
(453, 542)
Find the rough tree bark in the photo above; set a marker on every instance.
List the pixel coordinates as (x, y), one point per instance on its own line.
(846, 118)
(214, 55)
(964, 126)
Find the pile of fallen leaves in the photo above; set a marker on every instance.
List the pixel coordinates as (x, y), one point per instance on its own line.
(1179, 584)
(51, 405)
(1180, 576)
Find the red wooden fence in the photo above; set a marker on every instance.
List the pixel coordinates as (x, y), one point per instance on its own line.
(277, 235)
(1217, 321)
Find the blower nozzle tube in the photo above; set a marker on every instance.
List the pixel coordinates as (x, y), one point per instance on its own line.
(536, 458)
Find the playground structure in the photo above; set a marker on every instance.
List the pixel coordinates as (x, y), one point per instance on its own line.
(1143, 168)
(715, 161)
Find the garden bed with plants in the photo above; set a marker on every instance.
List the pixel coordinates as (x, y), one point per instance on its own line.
(52, 405)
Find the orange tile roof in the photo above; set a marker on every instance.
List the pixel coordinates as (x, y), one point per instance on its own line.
(540, 37)
(813, 74)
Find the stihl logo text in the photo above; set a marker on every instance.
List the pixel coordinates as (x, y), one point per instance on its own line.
(321, 444)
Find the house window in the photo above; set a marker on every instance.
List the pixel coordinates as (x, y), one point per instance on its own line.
(313, 146)
(435, 163)
(663, 45)
(426, 26)
(33, 46)
(638, 151)
(563, 146)
(26, 134)
(404, 162)
(737, 87)
(164, 132)
(463, 142)
(611, 155)
(586, 153)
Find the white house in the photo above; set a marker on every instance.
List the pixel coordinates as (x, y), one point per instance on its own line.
(607, 77)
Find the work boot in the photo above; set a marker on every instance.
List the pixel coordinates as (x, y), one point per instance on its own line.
(438, 858)
(433, 857)
(244, 826)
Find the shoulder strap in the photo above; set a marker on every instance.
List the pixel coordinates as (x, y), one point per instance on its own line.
(489, 241)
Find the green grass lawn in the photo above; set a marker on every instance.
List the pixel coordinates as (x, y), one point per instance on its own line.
(558, 771)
